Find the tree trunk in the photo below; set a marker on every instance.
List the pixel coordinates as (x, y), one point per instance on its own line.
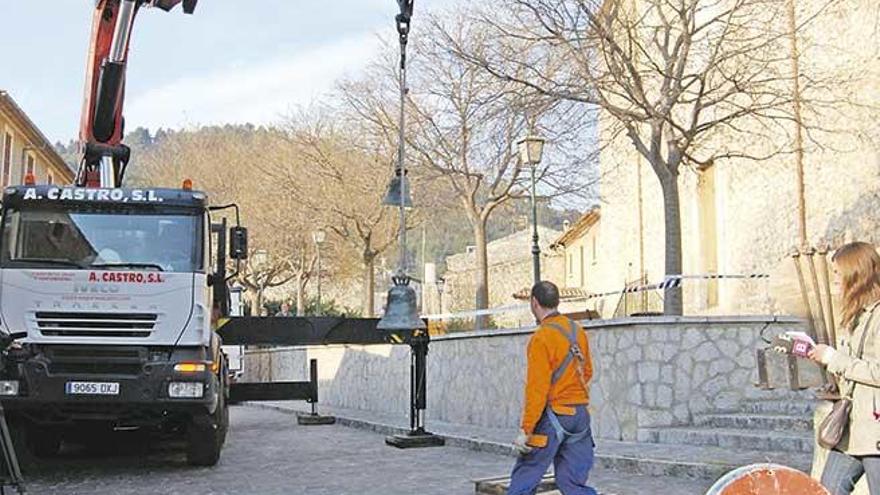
(482, 272)
(672, 298)
(300, 295)
(369, 286)
(259, 304)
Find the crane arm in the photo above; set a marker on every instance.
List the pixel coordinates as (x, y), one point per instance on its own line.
(103, 156)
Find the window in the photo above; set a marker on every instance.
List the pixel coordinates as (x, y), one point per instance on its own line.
(29, 166)
(50, 179)
(583, 264)
(593, 241)
(7, 158)
(95, 238)
(570, 264)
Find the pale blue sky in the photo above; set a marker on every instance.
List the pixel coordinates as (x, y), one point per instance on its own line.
(233, 61)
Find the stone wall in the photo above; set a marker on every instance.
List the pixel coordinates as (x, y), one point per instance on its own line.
(648, 373)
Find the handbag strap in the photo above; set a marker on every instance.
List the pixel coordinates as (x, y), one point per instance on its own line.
(861, 351)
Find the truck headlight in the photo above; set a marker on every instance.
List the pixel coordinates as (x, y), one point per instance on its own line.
(8, 387)
(186, 390)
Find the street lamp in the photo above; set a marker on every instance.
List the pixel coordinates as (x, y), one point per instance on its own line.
(319, 236)
(531, 150)
(441, 285)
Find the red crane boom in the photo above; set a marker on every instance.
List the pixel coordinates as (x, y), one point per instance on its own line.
(103, 156)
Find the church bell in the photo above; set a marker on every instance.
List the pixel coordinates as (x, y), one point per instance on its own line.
(401, 312)
(398, 186)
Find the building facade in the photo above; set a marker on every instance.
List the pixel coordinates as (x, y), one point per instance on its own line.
(741, 216)
(25, 149)
(510, 269)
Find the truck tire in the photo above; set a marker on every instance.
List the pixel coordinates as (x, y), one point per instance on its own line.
(19, 432)
(206, 434)
(44, 442)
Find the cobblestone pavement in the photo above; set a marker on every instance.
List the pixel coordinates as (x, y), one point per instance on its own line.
(267, 453)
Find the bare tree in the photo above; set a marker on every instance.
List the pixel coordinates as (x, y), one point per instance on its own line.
(338, 174)
(463, 128)
(684, 80)
(220, 161)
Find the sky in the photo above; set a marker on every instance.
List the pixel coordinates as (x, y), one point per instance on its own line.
(231, 62)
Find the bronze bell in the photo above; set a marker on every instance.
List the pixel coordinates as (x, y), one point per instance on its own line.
(401, 312)
(398, 186)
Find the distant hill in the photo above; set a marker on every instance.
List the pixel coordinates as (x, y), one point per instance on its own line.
(446, 229)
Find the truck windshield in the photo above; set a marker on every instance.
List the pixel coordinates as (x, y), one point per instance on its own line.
(118, 239)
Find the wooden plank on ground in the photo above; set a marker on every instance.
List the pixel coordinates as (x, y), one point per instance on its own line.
(499, 485)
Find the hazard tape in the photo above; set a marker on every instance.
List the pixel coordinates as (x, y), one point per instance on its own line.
(674, 281)
(479, 312)
(670, 282)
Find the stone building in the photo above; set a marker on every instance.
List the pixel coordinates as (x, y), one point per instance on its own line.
(24, 148)
(741, 216)
(510, 269)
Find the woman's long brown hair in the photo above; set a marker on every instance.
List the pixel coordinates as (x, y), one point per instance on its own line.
(859, 267)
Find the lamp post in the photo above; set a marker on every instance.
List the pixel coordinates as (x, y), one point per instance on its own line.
(441, 285)
(319, 236)
(531, 149)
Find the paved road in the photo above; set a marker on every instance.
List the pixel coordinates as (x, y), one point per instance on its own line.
(267, 453)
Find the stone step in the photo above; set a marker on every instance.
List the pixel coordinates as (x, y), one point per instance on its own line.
(755, 421)
(795, 407)
(687, 461)
(730, 438)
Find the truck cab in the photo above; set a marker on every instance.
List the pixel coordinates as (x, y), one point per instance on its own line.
(107, 297)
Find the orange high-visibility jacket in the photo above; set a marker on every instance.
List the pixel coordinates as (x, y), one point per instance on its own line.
(546, 351)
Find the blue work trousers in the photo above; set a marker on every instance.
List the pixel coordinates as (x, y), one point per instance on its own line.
(571, 456)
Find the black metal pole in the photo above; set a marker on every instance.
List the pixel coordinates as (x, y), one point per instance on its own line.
(420, 402)
(536, 249)
(313, 382)
(413, 388)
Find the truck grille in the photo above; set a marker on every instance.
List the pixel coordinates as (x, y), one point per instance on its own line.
(96, 360)
(62, 324)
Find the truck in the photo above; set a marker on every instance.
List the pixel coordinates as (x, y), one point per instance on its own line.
(109, 294)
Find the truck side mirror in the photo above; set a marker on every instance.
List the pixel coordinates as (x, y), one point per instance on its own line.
(238, 243)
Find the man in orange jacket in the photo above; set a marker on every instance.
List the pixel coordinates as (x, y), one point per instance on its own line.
(555, 422)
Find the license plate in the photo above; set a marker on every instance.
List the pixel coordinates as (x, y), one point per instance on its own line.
(92, 388)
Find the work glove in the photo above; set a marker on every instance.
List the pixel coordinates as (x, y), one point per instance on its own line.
(520, 444)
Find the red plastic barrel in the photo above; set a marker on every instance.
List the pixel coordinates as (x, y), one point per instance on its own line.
(766, 479)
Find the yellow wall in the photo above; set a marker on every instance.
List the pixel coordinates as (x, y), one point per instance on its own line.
(45, 160)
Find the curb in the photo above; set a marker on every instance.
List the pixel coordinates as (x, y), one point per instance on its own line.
(469, 443)
(614, 462)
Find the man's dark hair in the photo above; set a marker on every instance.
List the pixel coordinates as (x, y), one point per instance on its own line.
(547, 294)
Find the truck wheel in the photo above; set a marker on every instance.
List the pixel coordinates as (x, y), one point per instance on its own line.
(206, 434)
(19, 431)
(45, 443)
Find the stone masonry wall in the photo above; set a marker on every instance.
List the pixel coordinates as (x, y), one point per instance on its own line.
(648, 373)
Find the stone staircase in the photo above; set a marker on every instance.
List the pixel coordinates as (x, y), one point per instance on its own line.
(763, 431)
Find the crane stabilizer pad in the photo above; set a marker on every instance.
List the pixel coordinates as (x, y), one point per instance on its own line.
(415, 440)
(308, 419)
(310, 330)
